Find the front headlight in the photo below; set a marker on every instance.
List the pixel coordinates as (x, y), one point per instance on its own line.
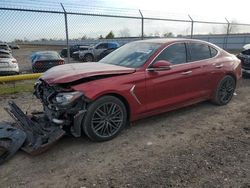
(67, 97)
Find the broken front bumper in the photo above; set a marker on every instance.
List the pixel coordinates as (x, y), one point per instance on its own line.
(40, 134)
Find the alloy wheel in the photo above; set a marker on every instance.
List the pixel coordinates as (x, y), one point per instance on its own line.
(107, 119)
(226, 90)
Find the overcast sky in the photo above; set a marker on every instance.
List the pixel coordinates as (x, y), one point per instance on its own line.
(33, 26)
(238, 10)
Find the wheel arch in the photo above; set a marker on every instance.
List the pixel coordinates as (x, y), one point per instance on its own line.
(233, 76)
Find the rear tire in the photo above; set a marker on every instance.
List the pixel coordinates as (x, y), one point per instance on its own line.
(105, 119)
(224, 91)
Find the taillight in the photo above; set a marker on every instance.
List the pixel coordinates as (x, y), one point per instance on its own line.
(61, 62)
(38, 63)
(14, 61)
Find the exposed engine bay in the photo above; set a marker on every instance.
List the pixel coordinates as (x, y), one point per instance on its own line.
(62, 106)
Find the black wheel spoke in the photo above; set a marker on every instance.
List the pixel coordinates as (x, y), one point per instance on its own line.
(111, 109)
(109, 129)
(100, 113)
(99, 126)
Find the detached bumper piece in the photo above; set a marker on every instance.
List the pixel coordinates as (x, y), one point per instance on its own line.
(40, 133)
(11, 139)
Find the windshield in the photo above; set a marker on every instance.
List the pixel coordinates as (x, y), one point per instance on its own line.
(132, 55)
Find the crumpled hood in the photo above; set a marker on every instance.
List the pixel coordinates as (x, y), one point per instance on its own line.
(72, 72)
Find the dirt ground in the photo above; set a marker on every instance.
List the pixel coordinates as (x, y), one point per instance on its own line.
(199, 146)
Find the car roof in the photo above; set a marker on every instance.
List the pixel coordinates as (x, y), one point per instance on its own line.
(170, 40)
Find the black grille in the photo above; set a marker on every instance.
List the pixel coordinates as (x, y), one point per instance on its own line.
(45, 92)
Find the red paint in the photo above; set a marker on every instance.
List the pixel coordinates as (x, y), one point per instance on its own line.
(158, 91)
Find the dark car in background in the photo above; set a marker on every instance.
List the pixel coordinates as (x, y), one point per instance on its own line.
(44, 60)
(72, 49)
(244, 56)
(75, 54)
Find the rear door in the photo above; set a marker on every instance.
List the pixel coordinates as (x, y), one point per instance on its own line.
(202, 55)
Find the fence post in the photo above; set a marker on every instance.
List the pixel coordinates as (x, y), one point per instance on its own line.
(192, 26)
(67, 32)
(228, 32)
(142, 25)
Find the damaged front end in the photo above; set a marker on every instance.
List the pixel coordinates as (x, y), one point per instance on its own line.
(62, 106)
(63, 113)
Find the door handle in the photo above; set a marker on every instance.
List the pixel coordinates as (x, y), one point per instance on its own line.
(186, 73)
(219, 66)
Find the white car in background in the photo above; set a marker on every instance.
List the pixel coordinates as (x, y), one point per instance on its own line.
(8, 64)
(4, 46)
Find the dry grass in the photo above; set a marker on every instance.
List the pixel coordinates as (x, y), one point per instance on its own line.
(16, 87)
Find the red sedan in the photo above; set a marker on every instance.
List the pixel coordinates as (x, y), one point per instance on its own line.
(138, 80)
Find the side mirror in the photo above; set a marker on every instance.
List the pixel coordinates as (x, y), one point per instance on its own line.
(160, 65)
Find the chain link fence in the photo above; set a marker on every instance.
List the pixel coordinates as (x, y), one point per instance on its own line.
(67, 28)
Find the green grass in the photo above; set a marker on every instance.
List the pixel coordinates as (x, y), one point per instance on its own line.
(16, 87)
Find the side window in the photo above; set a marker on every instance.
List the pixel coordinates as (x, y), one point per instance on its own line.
(112, 45)
(175, 54)
(213, 51)
(199, 51)
(102, 46)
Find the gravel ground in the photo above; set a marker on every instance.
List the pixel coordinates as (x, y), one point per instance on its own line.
(199, 146)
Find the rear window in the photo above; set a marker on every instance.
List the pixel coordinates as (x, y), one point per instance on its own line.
(199, 51)
(47, 56)
(102, 46)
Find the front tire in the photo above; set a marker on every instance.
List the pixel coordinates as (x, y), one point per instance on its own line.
(105, 119)
(224, 91)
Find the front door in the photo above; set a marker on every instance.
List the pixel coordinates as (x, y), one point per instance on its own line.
(168, 88)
